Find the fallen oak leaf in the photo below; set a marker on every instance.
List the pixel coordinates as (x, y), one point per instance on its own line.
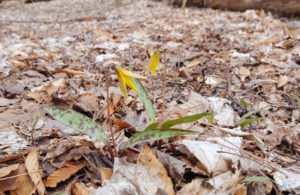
(63, 173)
(156, 169)
(32, 166)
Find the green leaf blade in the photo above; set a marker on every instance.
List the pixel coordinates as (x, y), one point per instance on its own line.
(78, 122)
(156, 134)
(249, 114)
(243, 102)
(152, 126)
(145, 99)
(255, 179)
(250, 120)
(187, 119)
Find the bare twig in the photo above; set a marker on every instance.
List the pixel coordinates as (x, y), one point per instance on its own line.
(10, 177)
(164, 98)
(108, 114)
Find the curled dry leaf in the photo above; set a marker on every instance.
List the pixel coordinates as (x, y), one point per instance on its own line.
(156, 169)
(105, 173)
(282, 80)
(63, 173)
(79, 189)
(32, 166)
(88, 102)
(7, 170)
(24, 183)
(69, 71)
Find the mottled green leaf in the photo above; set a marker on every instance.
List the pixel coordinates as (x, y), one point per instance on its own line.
(78, 122)
(248, 121)
(155, 134)
(187, 119)
(243, 103)
(249, 114)
(255, 179)
(143, 95)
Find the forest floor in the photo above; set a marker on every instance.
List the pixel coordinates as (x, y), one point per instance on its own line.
(57, 53)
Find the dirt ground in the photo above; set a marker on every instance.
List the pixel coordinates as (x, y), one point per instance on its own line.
(56, 53)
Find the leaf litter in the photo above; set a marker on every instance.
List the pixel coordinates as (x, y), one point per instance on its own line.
(216, 60)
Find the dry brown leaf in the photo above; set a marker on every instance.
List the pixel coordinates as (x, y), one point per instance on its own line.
(9, 183)
(241, 191)
(194, 62)
(123, 124)
(63, 173)
(105, 173)
(69, 71)
(272, 40)
(32, 166)
(7, 170)
(88, 102)
(55, 86)
(113, 105)
(79, 189)
(47, 91)
(24, 183)
(154, 166)
(282, 80)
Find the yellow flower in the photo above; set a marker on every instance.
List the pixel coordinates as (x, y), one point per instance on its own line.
(153, 62)
(124, 77)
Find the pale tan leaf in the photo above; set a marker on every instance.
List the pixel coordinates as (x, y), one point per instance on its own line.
(105, 173)
(79, 189)
(32, 166)
(282, 80)
(194, 62)
(24, 183)
(63, 173)
(154, 166)
(7, 170)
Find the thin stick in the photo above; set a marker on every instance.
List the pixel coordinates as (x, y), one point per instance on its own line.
(164, 92)
(108, 114)
(10, 177)
(164, 98)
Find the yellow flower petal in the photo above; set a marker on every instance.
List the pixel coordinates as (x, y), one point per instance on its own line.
(131, 74)
(122, 81)
(153, 62)
(129, 83)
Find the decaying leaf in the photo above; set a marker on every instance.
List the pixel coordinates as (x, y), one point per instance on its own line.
(150, 161)
(175, 167)
(78, 122)
(79, 189)
(4, 171)
(63, 173)
(88, 102)
(25, 185)
(207, 154)
(105, 173)
(32, 166)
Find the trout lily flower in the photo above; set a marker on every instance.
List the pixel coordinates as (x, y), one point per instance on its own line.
(124, 77)
(153, 62)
